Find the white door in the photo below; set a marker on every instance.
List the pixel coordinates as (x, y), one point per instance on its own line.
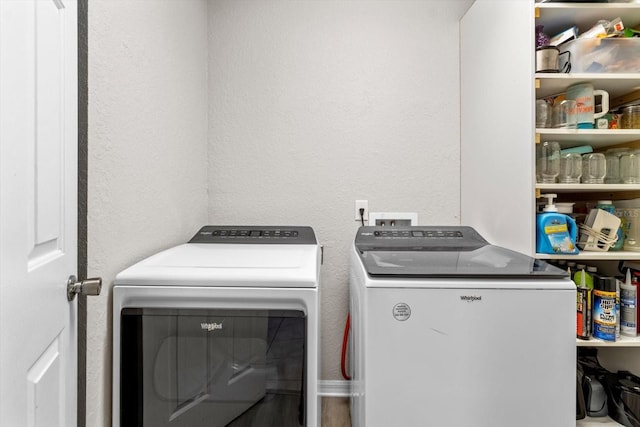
(38, 192)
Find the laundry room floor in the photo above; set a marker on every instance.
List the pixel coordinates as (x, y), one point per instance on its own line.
(335, 412)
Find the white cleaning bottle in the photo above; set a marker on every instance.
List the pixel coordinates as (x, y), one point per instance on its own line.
(628, 307)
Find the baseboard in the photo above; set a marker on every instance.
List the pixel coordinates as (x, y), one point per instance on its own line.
(334, 388)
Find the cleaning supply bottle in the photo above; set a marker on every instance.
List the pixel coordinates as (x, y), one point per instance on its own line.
(583, 309)
(604, 309)
(555, 232)
(634, 283)
(577, 273)
(618, 290)
(583, 278)
(628, 307)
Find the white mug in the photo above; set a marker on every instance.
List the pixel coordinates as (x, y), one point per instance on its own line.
(584, 95)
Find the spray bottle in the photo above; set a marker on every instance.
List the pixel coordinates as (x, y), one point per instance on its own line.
(628, 307)
(618, 289)
(604, 308)
(555, 232)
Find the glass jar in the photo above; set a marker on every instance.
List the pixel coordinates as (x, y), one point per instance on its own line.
(548, 161)
(630, 168)
(570, 168)
(594, 168)
(612, 156)
(630, 117)
(543, 114)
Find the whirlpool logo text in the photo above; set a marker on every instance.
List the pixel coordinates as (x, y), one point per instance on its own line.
(470, 298)
(210, 326)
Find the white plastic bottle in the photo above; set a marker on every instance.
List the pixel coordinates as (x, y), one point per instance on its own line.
(628, 307)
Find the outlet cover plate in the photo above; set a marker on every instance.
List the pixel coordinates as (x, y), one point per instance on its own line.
(396, 218)
(362, 204)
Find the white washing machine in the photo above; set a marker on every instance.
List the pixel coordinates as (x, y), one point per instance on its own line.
(220, 331)
(449, 330)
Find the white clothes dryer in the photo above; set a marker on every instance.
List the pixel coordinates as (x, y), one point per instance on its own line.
(220, 331)
(450, 331)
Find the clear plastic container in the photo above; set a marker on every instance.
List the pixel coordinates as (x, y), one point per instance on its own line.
(604, 55)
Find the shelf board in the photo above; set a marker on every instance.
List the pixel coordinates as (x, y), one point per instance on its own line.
(597, 138)
(622, 342)
(616, 84)
(587, 188)
(557, 17)
(594, 256)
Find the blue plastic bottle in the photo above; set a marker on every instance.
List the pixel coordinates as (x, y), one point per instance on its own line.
(556, 233)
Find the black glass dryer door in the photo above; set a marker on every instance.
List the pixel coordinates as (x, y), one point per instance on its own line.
(213, 368)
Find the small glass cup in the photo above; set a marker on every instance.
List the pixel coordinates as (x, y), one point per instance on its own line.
(565, 114)
(547, 161)
(594, 168)
(570, 168)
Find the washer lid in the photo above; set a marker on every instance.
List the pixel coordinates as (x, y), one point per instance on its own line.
(275, 260)
(443, 252)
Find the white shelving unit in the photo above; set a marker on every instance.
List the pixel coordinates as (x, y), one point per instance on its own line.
(498, 188)
(555, 17)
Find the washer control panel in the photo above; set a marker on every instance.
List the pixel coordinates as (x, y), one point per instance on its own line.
(418, 238)
(255, 235)
(427, 234)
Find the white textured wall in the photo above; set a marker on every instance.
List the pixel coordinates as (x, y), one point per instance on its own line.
(147, 150)
(314, 104)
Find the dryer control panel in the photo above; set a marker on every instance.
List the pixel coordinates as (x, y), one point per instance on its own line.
(255, 235)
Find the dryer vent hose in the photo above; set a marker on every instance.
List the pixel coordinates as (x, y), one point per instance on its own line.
(345, 340)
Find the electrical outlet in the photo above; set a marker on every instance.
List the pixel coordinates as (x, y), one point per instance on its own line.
(393, 219)
(362, 204)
